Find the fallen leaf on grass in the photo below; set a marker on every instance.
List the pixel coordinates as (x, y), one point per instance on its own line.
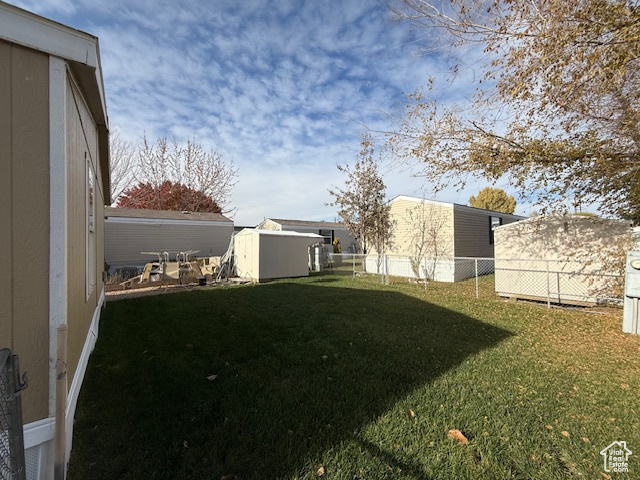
(411, 413)
(565, 433)
(457, 435)
(321, 471)
(185, 444)
(585, 439)
(211, 377)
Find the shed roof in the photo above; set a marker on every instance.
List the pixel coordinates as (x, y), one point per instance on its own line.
(163, 214)
(576, 218)
(307, 223)
(277, 233)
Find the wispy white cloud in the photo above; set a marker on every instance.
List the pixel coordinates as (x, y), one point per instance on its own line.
(282, 89)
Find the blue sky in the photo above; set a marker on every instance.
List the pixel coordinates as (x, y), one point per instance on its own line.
(280, 88)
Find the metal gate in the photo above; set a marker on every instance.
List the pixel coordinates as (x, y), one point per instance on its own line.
(12, 465)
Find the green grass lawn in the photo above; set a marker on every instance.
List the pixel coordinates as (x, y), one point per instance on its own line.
(362, 380)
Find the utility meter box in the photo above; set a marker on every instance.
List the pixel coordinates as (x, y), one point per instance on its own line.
(630, 322)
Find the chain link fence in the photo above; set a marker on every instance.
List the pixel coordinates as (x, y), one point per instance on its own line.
(12, 462)
(550, 281)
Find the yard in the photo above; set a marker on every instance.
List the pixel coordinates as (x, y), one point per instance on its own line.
(343, 378)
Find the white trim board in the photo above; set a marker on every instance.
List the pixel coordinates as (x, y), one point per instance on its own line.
(33, 31)
(57, 214)
(39, 432)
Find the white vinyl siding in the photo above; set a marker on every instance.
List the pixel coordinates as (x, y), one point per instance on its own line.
(410, 216)
(126, 238)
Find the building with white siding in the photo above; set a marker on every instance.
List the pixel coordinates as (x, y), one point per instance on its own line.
(328, 230)
(432, 239)
(131, 231)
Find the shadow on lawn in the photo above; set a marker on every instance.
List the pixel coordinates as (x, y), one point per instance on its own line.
(300, 369)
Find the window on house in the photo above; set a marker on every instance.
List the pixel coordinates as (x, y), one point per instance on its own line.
(90, 223)
(493, 223)
(328, 236)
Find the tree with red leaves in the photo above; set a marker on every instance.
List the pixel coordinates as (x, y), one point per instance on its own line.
(167, 196)
(171, 176)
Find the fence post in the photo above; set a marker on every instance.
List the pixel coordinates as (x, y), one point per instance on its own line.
(477, 294)
(353, 262)
(386, 270)
(548, 287)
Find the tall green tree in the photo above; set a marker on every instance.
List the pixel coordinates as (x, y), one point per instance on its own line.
(494, 199)
(556, 107)
(361, 203)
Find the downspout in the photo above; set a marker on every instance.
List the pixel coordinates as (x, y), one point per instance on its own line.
(59, 465)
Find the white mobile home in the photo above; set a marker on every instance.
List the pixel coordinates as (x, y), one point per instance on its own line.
(565, 259)
(54, 158)
(131, 231)
(329, 231)
(269, 254)
(434, 239)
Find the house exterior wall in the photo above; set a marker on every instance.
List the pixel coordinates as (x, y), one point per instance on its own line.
(126, 238)
(564, 259)
(421, 222)
(472, 231)
(40, 287)
(82, 152)
(24, 209)
(429, 238)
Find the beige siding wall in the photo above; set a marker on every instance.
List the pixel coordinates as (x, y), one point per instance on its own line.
(24, 209)
(472, 231)
(125, 240)
(82, 150)
(421, 224)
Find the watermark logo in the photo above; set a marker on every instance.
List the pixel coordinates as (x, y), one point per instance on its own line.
(616, 457)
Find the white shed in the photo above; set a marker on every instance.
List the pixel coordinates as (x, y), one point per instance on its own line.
(564, 259)
(269, 254)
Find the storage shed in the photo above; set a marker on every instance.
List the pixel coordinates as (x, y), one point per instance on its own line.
(564, 259)
(269, 254)
(130, 231)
